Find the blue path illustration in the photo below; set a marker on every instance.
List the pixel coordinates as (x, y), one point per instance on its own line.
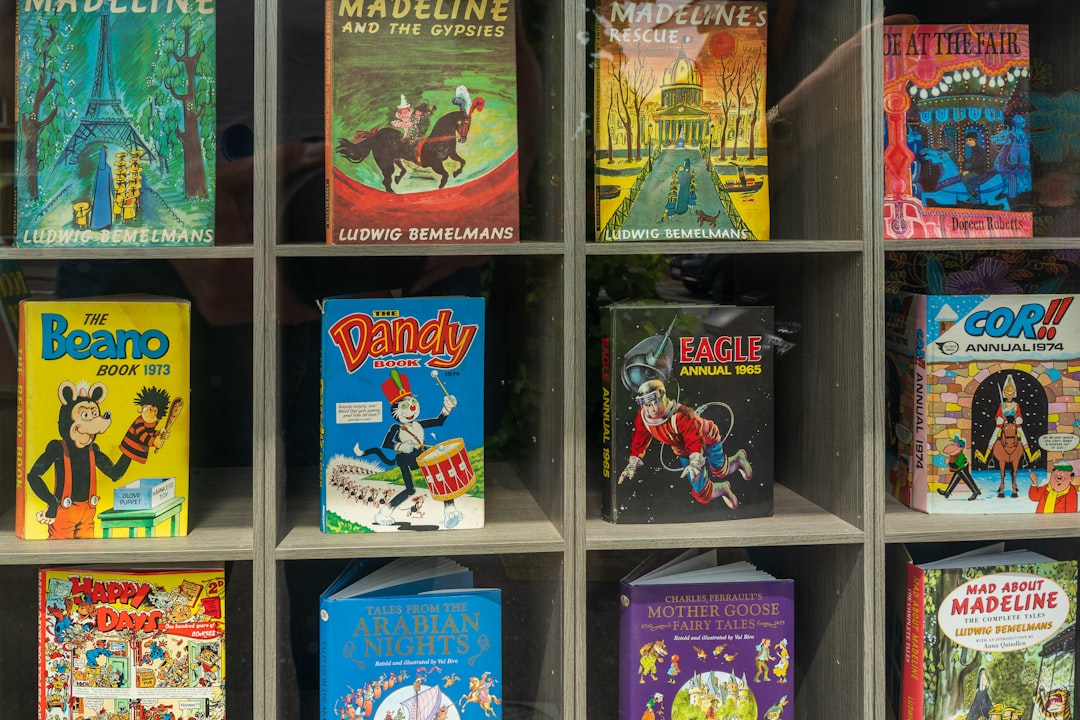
(649, 207)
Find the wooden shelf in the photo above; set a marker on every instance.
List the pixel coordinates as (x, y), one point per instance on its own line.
(905, 525)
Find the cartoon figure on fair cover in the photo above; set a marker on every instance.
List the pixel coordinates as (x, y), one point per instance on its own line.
(1059, 494)
(958, 464)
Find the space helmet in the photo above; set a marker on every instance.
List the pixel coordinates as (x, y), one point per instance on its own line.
(651, 359)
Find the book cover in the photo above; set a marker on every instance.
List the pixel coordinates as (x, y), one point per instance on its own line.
(410, 639)
(679, 131)
(989, 636)
(986, 414)
(116, 128)
(102, 448)
(116, 643)
(402, 414)
(697, 640)
(957, 149)
(421, 122)
(688, 412)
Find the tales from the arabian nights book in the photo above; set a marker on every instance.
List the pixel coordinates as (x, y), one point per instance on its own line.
(411, 638)
(688, 412)
(421, 122)
(102, 450)
(702, 640)
(957, 151)
(116, 131)
(127, 643)
(402, 414)
(679, 134)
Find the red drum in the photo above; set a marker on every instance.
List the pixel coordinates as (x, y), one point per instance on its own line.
(447, 469)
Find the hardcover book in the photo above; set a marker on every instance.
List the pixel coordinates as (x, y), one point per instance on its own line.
(421, 122)
(679, 132)
(402, 414)
(688, 412)
(983, 402)
(410, 639)
(103, 447)
(957, 149)
(701, 640)
(989, 636)
(116, 132)
(118, 643)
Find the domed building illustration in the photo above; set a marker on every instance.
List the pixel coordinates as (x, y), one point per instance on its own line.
(681, 119)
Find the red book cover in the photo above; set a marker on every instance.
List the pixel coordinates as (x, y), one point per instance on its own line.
(911, 696)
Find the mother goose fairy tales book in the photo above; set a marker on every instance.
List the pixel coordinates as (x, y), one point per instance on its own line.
(421, 121)
(679, 133)
(402, 414)
(116, 127)
(102, 448)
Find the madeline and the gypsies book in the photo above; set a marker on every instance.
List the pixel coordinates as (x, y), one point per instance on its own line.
(410, 639)
(957, 156)
(421, 121)
(989, 635)
(116, 643)
(402, 414)
(103, 431)
(679, 121)
(702, 640)
(116, 126)
(983, 402)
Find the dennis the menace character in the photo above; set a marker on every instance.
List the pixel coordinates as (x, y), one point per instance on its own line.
(153, 404)
(1059, 494)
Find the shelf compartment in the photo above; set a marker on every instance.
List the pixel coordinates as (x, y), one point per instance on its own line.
(905, 525)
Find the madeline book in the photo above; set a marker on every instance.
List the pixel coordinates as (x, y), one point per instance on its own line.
(421, 122)
(957, 151)
(989, 634)
(116, 124)
(410, 639)
(982, 402)
(116, 643)
(688, 412)
(402, 414)
(702, 640)
(679, 130)
(104, 431)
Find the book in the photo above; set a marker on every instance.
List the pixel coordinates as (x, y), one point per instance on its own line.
(116, 127)
(957, 149)
(679, 133)
(989, 634)
(979, 403)
(688, 417)
(402, 414)
(131, 643)
(700, 639)
(410, 638)
(102, 449)
(421, 122)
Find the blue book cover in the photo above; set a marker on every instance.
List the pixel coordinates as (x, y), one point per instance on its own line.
(402, 414)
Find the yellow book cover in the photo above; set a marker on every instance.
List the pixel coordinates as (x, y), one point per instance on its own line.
(103, 430)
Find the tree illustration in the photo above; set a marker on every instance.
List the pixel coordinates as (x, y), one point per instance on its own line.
(44, 63)
(741, 85)
(621, 96)
(728, 69)
(757, 78)
(641, 80)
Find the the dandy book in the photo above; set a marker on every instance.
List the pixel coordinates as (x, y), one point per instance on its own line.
(983, 402)
(104, 433)
(421, 122)
(688, 412)
(702, 640)
(410, 639)
(116, 643)
(957, 157)
(402, 414)
(680, 142)
(116, 127)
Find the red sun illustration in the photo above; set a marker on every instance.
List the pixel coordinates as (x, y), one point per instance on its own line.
(721, 45)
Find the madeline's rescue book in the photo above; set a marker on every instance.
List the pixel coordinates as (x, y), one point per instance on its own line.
(957, 149)
(410, 638)
(116, 125)
(402, 414)
(989, 635)
(119, 643)
(702, 640)
(679, 121)
(102, 448)
(421, 122)
(983, 402)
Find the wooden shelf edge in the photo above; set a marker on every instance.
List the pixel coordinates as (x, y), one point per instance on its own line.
(903, 525)
(395, 250)
(725, 247)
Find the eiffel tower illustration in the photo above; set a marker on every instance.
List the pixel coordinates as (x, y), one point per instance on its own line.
(105, 120)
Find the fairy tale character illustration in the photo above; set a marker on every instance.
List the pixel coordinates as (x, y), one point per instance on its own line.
(761, 659)
(783, 661)
(651, 653)
(775, 712)
(673, 669)
(654, 707)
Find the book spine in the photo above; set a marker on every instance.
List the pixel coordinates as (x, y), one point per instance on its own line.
(20, 430)
(911, 696)
(328, 101)
(919, 454)
(608, 496)
(626, 650)
(324, 659)
(42, 708)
